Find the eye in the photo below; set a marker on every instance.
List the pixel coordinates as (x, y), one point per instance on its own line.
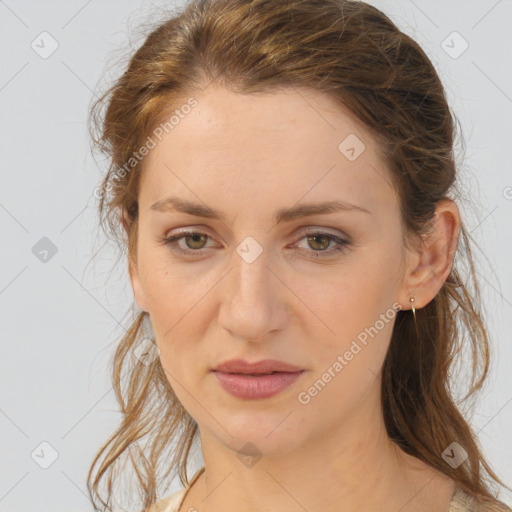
(319, 240)
(195, 241)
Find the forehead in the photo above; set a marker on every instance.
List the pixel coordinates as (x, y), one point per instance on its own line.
(277, 146)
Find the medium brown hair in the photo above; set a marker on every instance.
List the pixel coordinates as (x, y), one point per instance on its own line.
(356, 55)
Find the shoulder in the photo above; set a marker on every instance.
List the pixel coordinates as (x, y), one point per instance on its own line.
(464, 502)
(170, 503)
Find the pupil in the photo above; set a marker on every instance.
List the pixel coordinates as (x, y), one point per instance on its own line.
(316, 237)
(195, 237)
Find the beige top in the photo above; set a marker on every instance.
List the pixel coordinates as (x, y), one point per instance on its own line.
(461, 501)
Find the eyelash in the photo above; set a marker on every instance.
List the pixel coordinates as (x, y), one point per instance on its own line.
(171, 242)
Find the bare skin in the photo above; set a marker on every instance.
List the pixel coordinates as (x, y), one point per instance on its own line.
(250, 156)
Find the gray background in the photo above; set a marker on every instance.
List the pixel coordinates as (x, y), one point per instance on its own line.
(61, 317)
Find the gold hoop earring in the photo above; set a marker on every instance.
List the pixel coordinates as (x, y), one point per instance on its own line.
(413, 308)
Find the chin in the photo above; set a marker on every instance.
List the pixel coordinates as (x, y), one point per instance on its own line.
(264, 434)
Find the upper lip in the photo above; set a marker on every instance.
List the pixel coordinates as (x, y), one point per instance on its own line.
(264, 366)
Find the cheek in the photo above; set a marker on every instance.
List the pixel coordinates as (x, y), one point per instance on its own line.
(354, 296)
(164, 285)
(176, 304)
(356, 306)
(348, 363)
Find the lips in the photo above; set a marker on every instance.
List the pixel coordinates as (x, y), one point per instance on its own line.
(266, 366)
(258, 380)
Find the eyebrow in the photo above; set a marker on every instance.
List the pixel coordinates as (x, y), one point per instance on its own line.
(283, 215)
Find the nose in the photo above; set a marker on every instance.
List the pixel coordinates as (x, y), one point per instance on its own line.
(254, 300)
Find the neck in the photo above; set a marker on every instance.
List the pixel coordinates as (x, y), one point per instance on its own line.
(353, 467)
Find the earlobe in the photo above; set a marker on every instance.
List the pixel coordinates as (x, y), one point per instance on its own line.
(434, 256)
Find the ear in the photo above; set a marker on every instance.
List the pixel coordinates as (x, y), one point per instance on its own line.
(431, 260)
(133, 270)
(138, 292)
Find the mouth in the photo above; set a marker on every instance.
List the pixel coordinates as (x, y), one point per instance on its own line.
(256, 386)
(252, 374)
(264, 367)
(258, 380)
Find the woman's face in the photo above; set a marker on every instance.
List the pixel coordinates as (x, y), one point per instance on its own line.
(252, 288)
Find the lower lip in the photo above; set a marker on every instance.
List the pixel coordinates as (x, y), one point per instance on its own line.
(256, 386)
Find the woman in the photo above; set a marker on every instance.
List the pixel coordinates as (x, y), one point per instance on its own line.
(285, 177)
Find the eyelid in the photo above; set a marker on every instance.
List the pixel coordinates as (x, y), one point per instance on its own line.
(343, 242)
(303, 230)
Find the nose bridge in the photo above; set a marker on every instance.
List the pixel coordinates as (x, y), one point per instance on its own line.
(252, 304)
(252, 276)
(251, 270)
